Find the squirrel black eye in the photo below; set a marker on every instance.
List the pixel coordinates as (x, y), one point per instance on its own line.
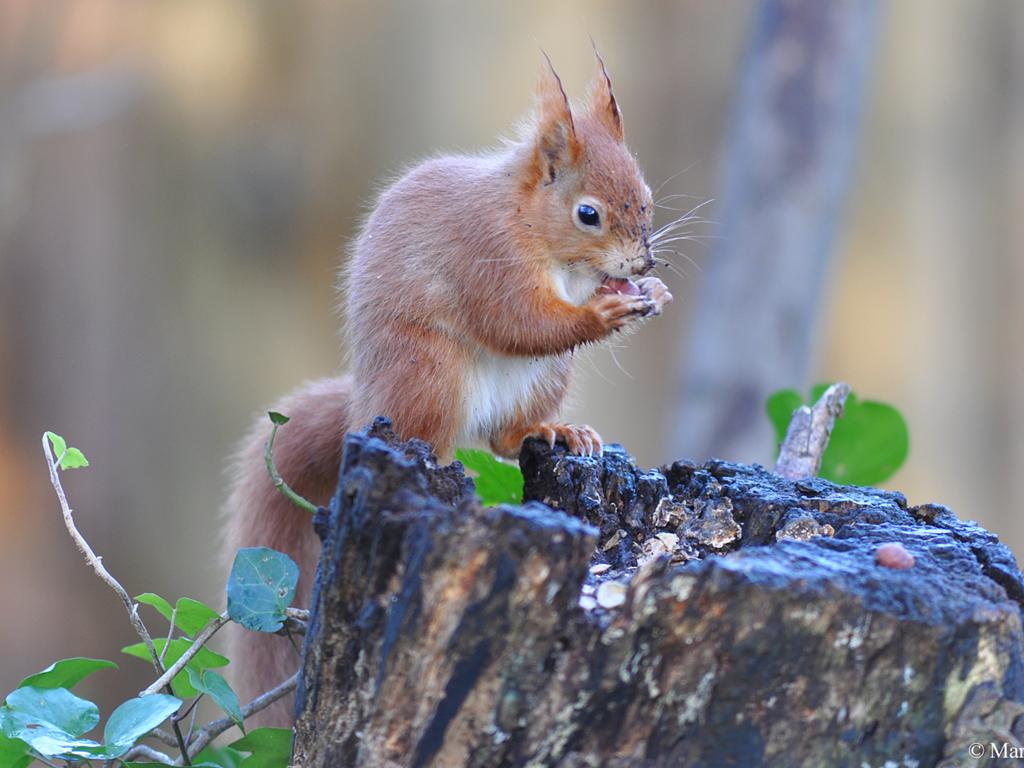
(588, 215)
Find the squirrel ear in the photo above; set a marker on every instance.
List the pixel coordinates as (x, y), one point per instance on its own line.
(602, 101)
(557, 145)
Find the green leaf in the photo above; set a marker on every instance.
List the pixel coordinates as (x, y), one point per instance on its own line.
(134, 719)
(56, 706)
(260, 587)
(50, 721)
(204, 659)
(58, 444)
(780, 407)
(14, 753)
(869, 443)
(268, 748)
(278, 418)
(497, 482)
(154, 600)
(73, 459)
(222, 757)
(46, 738)
(66, 673)
(191, 615)
(216, 687)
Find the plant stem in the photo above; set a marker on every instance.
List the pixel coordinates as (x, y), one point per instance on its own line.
(197, 645)
(278, 481)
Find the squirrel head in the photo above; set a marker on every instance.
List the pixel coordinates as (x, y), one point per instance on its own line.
(583, 195)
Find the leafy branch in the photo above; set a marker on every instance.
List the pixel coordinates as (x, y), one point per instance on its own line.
(42, 720)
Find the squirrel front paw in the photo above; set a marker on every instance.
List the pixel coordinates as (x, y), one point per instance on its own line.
(581, 440)
(614, 310)
(657, 294)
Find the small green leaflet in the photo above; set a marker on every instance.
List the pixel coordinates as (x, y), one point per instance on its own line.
(268, 748)
(66, 673)
(58, 443)
(278, 418)
(66, 458)
(190, 616)
(869, 443)
(134, 719)
(260, 587)
(497, 482)
(216, 687)
(204, 659)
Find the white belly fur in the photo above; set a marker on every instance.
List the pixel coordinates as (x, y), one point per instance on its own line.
(495, 385)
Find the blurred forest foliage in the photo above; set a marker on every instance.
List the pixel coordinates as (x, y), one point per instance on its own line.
(179, 179)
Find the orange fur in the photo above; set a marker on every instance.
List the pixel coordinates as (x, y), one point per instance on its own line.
(468, 289)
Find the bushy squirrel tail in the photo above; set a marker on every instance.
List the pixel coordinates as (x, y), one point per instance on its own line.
(307, 453)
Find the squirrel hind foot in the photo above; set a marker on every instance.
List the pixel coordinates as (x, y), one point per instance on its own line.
(581, 440)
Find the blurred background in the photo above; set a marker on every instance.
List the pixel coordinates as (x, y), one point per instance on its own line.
(178, 179)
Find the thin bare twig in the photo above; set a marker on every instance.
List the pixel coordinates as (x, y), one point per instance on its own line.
(292, 627)
(94, 560)
(141, 750)
(164, 737)
(192, 723)
(190, 709)
(170, 634)
(198, 642)
(96, 563)
(808, 434)
(210, 731)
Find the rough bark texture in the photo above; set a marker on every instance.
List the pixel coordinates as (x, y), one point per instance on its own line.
(707, 615)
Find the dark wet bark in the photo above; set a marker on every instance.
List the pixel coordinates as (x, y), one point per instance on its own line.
(707, 615)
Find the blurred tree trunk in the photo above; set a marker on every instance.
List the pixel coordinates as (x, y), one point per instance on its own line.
(84, 296)
(786, 172)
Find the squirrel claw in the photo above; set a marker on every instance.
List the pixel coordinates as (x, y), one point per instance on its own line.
(581, 440)
(656, 294)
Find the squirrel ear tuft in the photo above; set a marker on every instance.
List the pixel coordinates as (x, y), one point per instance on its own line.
(603, 105)
(557, 145)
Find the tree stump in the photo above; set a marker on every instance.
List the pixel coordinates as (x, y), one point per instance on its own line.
(704, 615)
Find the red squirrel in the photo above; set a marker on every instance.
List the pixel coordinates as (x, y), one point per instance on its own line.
(469, 287)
